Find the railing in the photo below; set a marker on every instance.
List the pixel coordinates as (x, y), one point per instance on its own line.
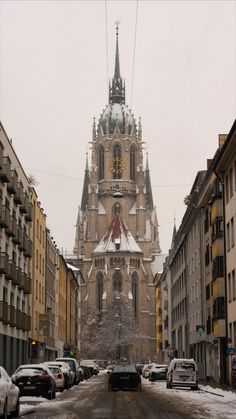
(12, 185)
(18, 319)
(4, 312)
(27, 285)
(12, 316)
(26, 322)
(5, 171)
(5, 217)
(29, 214)
(4, 258)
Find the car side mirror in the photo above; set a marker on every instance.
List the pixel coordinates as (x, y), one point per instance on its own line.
(108, 372)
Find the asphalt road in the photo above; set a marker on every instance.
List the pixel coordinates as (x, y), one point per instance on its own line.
(91, 400)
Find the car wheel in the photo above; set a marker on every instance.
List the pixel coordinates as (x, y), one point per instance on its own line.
(139, 388)
(195, 388)
(54, 394)
(50, 395)
(16, 412)
(62, 389)
(4, 415)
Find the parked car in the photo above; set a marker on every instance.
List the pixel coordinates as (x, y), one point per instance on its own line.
(93, 367)
(124, 377)
(86, 372)
(58, 375)
(158, 372)
(146, 369)
(182, 373)
(74, 367)
(139, 368)
(9, 395)
(66, 370)
(35, 380)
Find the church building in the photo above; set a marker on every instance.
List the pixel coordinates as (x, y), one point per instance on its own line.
(117, 236)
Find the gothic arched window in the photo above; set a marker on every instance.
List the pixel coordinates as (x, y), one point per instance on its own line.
(132, 163)
(116, 208)
(117, 282)
(135, 292)
(101, 162)
(99, 291)
(117, 162)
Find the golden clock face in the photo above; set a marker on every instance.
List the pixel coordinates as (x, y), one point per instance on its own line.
(117, 165)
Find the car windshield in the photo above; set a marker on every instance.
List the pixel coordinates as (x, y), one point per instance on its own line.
(189, 366)
(71, 363)
(124, 368)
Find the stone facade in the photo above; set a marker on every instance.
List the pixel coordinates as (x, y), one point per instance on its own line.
(117, 168)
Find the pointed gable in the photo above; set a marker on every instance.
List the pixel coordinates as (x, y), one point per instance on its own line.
(117, 238)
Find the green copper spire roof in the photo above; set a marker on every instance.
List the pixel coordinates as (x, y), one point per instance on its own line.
(149, 198)
(117, 59)
(117, 87)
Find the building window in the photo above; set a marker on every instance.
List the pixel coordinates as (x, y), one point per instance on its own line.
(117, 162)
(229, 287)
(101, 162)
(132, 163)
(232, 231)
(231, 183)
(228, 237)
(135, 292)
(99, 291)
(233, 285)
(117, 283)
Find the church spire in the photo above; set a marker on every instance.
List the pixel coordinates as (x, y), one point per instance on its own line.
(173, 235)
(117, 87)
(149, 198)
(84, 200)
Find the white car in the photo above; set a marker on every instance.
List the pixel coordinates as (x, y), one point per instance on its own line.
(182, 372)
(58, 375)
(146, 369)
(9, 396)
(66, 371)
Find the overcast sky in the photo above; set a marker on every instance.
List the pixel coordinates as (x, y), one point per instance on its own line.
(53, 81)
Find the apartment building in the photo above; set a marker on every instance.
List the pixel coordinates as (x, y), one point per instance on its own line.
(37, 297)
(225, 169)
(15, 254)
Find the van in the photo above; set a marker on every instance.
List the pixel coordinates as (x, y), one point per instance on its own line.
(182, 373)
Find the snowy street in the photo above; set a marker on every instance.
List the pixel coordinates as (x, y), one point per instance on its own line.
(91, 399)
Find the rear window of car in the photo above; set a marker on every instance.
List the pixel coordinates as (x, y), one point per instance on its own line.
(30, 371)
(187, 366)
(54, 370)
(71, 363)
(125, 368)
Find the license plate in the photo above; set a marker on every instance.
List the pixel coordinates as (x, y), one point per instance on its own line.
(124, 378)
(30, 387)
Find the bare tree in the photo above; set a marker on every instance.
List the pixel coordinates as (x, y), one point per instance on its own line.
(115, 334)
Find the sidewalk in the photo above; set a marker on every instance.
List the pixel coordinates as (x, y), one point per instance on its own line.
(224, 387)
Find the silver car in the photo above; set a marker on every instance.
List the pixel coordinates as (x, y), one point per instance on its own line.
(9, 396)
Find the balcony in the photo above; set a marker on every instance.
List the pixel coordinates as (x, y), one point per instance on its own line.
(1, 155)
(29, 214)
(5, 171)
(26, 322)
(4, 259)
(18, 319)
(12, 229)
(18, 277)
(19, 196)
(22, 277)
(24, 206)
(27, 285)
(12, 186)
(4, 312)
(28, 249)
(11, 271)
(5, 218)
(20, 238)
(218, 267)
(12, 316)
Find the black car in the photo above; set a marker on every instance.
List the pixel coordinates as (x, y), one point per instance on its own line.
(158, 372)
(124, 377)
(35, 380)
(86, 372)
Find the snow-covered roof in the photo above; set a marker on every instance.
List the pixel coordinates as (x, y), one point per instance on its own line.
(157, 264)
(117, 237)
(73, 268)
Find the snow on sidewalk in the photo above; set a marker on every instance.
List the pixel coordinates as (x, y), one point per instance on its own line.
(214, 402)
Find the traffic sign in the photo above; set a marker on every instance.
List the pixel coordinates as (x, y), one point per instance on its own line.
(230, 351)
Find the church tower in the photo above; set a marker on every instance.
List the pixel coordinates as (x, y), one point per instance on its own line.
(117, 229)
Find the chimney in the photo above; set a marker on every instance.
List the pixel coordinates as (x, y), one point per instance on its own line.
(221, 139)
